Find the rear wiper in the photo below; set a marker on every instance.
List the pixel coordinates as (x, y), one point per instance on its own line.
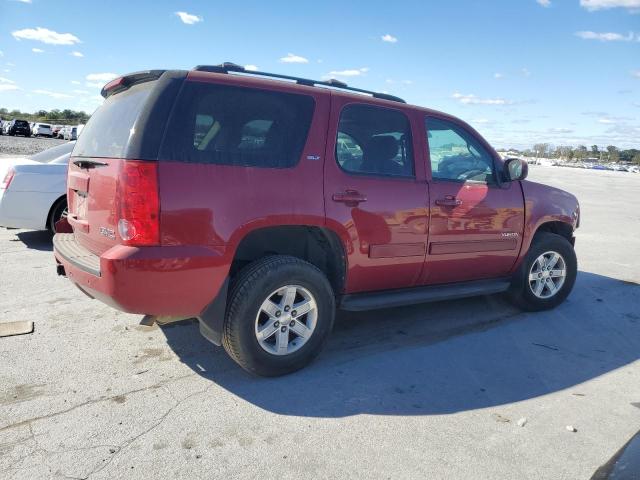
(89, 163)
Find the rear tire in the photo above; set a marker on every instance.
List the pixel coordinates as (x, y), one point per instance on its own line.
(58, 211)
(547, 273)
(262, 331)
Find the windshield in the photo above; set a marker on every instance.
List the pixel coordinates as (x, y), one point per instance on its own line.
(51, 154)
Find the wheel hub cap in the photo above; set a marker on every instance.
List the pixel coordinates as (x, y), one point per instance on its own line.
(547, 275)
(286, 320)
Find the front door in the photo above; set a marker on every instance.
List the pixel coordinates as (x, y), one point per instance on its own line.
(376, 194)
(476, 224)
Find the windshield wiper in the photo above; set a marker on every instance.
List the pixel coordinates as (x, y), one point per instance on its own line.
(89, 163)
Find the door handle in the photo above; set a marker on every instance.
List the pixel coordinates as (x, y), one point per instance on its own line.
(351, 197)
(448, 201)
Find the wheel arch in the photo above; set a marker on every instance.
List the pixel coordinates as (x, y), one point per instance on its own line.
(318, 245)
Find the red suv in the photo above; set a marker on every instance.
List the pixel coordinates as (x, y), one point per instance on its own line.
(259, 206)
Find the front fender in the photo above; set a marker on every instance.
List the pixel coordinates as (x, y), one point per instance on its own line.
(544, 204)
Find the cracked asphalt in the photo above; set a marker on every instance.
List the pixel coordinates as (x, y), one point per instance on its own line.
(432, 391)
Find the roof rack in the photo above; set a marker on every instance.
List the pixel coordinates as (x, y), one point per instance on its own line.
(228, 67)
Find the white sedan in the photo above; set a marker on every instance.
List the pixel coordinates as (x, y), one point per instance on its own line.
(33, 191)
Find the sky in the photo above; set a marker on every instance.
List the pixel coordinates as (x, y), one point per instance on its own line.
(566, 72)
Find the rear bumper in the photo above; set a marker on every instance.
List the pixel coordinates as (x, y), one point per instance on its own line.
(162, 281)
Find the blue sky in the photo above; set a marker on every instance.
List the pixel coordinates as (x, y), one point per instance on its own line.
(520, 71)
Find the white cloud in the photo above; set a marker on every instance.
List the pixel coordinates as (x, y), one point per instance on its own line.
(348, 73)
(188, 18)
(76, 54)
(37, 50)
(1, 53)
(636, 73)
(52, 94)
(6, 80)
(389, 38)
(5, 87)
(23, 1)
(98, 80)
(560, 130)
(251, 68)
(544, 3)
(45, 35)
(480, 120)
(605, 37)
(75, 82)
(473, 100)
(606, 121)
(525, 72)
(498, 76)
(101, 77)
(593, 5)
(291, 58)
(80, 92)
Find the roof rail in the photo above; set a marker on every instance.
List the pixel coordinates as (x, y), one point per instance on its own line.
(228, 67)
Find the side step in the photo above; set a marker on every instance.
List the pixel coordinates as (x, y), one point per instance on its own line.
(357, 302)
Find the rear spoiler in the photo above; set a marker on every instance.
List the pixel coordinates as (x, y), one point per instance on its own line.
(122, 83)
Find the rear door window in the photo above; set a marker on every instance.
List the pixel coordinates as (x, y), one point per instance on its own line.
(374, 140)
(239, 126)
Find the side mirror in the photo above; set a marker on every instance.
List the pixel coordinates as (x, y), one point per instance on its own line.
(515, 169)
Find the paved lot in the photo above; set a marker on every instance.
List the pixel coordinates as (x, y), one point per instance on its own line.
(15, 146)
(433, 391)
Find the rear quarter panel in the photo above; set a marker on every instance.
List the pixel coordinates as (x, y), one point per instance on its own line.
(216, 205)
(33, 191)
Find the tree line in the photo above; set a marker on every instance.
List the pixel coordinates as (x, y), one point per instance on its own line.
(582, 153)
(62, 117)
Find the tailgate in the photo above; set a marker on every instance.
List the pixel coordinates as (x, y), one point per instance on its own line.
(91, 195)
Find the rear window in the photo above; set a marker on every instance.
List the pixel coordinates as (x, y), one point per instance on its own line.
(21, 123)
(112, 126)
(239, 126)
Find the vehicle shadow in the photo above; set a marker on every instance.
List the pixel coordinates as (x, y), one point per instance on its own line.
(442, 358)
(36, 239)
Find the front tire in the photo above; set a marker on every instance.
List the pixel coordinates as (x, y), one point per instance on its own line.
(281, 311)
(547, 274)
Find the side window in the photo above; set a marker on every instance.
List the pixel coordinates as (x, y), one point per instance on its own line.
(456, 155)
(374, 140)
(238, 126)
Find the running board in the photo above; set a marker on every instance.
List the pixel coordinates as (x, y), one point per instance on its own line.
(434, 293)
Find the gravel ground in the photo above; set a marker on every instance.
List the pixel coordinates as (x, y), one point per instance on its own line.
(18, 146)
(433, 391)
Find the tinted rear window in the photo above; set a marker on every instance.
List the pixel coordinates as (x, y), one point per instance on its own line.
(112, 126)
(21, 123)
(238, 126)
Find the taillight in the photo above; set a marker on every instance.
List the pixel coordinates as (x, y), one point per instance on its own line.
(7, 179)
(139, 206)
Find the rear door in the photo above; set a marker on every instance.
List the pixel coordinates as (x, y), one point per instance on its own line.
(375, 193)
(476, 224)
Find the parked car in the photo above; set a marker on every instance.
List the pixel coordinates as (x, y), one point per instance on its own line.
(55, 129)
(41, 130)
(248, 217)
(70, 133)
(18, 127)
(33, 190)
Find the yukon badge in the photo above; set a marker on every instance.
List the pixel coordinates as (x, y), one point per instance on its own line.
(107, 232)
(509, 235)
